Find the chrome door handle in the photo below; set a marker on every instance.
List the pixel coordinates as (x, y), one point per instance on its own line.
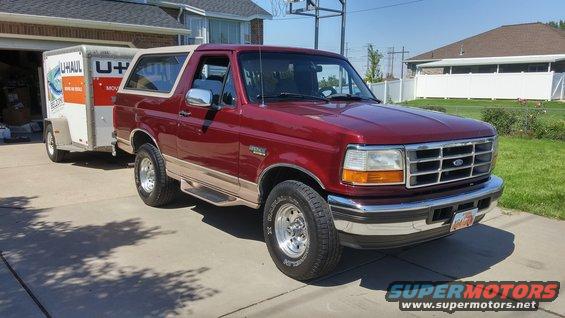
(184, 113)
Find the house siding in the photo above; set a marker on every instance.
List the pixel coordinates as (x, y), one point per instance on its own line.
(140, 40)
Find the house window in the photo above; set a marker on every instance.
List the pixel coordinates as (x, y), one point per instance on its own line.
(517, 68)
(246, 32)
(197, 30)
(225, 31)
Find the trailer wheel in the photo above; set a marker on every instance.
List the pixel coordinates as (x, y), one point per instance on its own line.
(153, 185)
(53, 153)
(299, 231)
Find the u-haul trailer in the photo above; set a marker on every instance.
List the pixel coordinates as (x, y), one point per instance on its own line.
(80, 86)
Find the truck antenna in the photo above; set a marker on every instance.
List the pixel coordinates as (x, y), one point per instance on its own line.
(261, 75)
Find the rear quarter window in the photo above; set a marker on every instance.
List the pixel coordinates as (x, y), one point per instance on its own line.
(156, 73)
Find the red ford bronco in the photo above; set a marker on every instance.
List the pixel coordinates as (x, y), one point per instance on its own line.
(297, 134)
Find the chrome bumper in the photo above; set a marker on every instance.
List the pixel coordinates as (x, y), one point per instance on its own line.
(409, 222)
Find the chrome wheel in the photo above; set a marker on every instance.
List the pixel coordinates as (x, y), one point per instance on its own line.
(291, 230)
(147, 175)
(50, 143)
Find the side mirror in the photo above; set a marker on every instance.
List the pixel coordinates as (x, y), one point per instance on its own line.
(199, 97)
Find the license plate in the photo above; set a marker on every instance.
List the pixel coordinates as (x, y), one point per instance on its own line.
(463, 219)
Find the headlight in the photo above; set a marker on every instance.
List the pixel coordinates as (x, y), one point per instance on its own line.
(371, 167)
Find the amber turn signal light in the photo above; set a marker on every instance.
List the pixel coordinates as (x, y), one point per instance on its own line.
(372, 177)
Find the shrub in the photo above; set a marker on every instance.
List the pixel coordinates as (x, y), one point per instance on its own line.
(550, 129)
(436, 108)
(502, 119)
(524, 122)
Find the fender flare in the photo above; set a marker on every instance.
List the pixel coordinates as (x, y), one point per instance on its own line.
(288, 165)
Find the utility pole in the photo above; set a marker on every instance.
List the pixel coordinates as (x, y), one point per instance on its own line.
(314, 5)
(347, 49)
(391, 54)
(367, 67)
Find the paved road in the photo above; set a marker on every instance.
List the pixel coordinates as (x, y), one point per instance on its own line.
(84, 245)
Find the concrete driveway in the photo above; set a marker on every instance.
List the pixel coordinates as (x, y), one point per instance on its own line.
(77, 241)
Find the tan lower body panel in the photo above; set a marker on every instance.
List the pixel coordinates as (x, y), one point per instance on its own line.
(247, 192)
(125, 145)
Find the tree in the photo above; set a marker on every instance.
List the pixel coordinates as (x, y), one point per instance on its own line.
(557, 24)
(373, 74)
(331, 81)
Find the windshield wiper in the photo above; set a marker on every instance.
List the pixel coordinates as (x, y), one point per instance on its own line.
(350, 97)
(293, 95)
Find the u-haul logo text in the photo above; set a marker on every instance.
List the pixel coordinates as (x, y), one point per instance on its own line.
(71, 67)
(103, 68)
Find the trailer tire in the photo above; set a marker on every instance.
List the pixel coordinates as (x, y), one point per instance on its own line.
(299, 231)
(153, 184)
(53, 153)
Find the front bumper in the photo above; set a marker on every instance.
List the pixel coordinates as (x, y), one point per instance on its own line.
(363, 224)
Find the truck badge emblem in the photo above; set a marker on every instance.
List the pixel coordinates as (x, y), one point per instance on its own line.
(458, 162)
(258, 150)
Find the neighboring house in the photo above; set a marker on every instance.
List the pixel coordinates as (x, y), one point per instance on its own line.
(217, 21)
(512, 61)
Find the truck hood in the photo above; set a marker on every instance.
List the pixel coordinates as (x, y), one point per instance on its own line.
(390, 124)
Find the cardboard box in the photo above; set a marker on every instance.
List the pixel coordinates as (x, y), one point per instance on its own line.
(16, 117)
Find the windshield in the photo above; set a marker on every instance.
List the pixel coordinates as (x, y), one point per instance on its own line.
(300, 76)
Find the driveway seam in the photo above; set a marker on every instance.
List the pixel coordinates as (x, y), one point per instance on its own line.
(24, 286)
(550, 312)
(304, 285)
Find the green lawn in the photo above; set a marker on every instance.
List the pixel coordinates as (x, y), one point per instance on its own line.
(533, 172)
(472, 107)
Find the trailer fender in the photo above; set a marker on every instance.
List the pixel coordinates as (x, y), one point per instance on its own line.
(61, 131)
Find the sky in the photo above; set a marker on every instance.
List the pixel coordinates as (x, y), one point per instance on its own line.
(418, 25)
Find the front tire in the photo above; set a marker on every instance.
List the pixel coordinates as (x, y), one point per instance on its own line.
(153, 185)
(53, 153)
(299, 231)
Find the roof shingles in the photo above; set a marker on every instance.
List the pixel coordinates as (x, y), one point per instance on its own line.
(243, 8)
(507, 40)
(97, 10)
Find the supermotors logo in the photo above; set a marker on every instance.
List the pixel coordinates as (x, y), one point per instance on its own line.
(471, 296)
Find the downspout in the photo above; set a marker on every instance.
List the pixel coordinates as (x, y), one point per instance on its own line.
(181, 9)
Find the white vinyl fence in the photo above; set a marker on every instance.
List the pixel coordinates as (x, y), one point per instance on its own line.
(394, 91)
(542, 85)
(558, 89)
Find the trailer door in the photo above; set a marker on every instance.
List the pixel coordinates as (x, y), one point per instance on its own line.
(66, 93)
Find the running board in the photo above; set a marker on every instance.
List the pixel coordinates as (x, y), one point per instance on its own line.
(210, 195)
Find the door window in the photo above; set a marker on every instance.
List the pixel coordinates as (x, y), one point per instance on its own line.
(213, 74)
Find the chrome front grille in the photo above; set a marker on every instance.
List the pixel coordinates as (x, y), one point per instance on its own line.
(441, 162)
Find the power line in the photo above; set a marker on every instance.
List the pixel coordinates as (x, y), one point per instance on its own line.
(360, 10)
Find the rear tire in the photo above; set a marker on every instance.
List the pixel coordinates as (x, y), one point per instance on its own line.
(299, 231)
(53, 153)
(153, 185)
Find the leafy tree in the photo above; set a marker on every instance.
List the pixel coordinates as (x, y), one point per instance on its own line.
(557, 24)
(331, 81)
(373, 75)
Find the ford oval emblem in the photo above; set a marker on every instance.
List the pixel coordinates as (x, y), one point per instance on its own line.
(458, 162)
